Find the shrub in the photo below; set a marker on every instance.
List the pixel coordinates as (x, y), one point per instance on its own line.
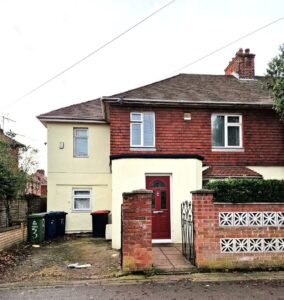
(247, 190)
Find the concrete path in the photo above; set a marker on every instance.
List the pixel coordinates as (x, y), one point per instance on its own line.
(168, 257)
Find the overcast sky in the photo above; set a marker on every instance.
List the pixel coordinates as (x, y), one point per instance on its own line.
(41, 38)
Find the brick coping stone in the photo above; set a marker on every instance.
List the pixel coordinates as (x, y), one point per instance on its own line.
(202, 191)
(142, 191)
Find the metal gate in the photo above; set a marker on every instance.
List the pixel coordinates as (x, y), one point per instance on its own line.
(187, 230)
(121, 237)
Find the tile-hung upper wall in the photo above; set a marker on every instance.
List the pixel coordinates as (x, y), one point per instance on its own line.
(262, 135)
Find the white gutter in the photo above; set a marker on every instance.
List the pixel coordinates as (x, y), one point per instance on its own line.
(45, 120)
(182, 102)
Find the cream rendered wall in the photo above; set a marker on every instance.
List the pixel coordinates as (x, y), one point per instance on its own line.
(66, 172)
(129, 174)
(269, 172)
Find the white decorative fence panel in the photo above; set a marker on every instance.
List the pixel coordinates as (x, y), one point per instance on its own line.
(248, 245)
(251, 219)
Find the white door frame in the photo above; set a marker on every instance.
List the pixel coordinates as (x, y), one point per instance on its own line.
(164, 241)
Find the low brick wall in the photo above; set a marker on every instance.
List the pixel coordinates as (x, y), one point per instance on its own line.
(228, 236)
(12, 236)
(136, 237)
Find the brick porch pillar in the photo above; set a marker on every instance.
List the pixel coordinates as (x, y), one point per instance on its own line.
(205, 222)
(137, 230)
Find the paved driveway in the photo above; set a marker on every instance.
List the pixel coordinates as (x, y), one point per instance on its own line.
(49, 262)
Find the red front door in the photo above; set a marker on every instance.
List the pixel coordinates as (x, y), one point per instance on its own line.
(161, 222)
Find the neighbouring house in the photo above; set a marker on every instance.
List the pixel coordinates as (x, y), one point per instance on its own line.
(37, 184)
(167, 136)
(13, 145)
(36, 192)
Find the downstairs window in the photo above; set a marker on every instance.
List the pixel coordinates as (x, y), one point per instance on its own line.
(81, 200)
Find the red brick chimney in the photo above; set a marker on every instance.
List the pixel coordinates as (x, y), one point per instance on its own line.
(242, 65)
(41, 171)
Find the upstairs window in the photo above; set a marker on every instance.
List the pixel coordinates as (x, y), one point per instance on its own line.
(142, 129)
(226, 131)
(80, 142)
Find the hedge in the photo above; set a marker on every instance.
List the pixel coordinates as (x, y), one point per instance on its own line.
(247, 190)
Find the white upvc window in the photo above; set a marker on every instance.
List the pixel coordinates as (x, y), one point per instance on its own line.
(226, 131)
(81, 142)
(81, 200)
(142, 129)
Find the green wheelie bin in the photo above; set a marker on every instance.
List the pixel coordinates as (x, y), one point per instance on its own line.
(36, 228)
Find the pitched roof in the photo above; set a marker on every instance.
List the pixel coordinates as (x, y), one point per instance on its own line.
(13, 143)
(229, 171)
(89, 111)
(183, 88)
(204, 89)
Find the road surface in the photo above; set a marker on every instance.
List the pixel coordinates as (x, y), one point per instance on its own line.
(183, 289)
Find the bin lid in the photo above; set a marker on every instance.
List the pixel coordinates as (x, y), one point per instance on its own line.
(36, 216)
(100, 212)
(55, 213)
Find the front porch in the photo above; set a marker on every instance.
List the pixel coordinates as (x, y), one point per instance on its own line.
(138, 252)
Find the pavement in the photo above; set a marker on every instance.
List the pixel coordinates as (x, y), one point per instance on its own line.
(216, 277)
(151, 289)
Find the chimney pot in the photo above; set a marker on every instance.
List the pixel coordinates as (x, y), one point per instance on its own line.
(247, 51)
(240, 51)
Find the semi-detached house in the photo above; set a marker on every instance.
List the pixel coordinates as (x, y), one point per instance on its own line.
(167, 136)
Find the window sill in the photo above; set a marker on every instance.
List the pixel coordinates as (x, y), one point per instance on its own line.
(142, 149)
(223, 149)
(81, 211)
(80, 156)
